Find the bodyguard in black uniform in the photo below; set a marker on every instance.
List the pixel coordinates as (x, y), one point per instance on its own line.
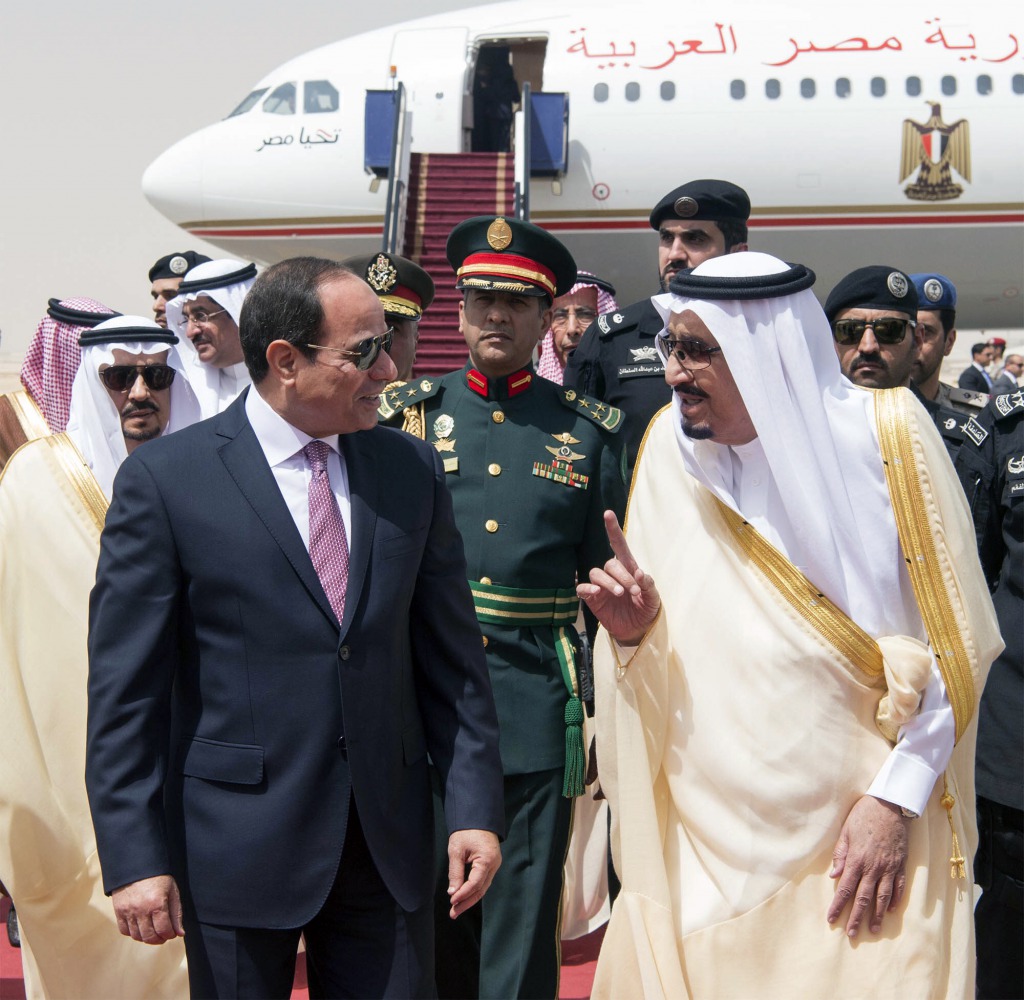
(616, 360)
(991, 468)
(531, 467)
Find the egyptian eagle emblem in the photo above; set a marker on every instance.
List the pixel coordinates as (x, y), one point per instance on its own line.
(935, 150)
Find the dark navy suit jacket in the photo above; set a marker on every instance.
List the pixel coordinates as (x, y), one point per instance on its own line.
(972, 378)
(231, 715)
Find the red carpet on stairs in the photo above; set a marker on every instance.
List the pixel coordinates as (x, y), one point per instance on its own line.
(444, 189)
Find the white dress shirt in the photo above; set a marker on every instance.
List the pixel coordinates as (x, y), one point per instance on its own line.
(282, 445)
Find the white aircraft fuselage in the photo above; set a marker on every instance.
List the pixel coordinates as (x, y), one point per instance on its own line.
(870, 134)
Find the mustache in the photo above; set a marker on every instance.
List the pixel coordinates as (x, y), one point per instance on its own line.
(691, 390)
(863, 360)
(132, 408)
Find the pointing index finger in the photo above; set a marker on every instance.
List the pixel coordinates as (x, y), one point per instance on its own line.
(617, 540)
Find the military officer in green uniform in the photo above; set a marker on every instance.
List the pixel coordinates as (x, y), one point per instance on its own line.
(531, 467)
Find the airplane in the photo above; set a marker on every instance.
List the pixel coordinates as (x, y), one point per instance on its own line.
(866, 133)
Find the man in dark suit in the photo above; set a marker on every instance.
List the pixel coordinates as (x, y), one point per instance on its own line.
(281, 630)
(974, 375)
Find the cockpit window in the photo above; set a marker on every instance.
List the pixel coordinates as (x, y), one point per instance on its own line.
(320, 96)
(248, 103)
(281, 100)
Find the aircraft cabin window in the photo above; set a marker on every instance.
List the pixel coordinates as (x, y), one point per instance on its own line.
(984, 85)
(632, 91)
(807, 88)
(668, 90)
(248, 103)
(600, 92)
(320, 96)
(913, 86)
(878, 86)
(1018, 83)
(772, 89)
(738, 90)
(949, 85)
(281, 100)
(843, 87)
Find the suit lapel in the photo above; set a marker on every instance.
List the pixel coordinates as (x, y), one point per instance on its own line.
(363, 485)
(245, 461)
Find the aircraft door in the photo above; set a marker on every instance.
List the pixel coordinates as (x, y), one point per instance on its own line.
(431, 63)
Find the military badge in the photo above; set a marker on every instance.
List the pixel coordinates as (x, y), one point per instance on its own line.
(499, 234)
(932, 290)
(178, 265)
(617, 318)
(686, 208)
(644, 354)
(1009, 401)
(1015, 466)
(426, 385)
(897, 284)
(381, 275)
(443, 427)
(975, 431)
(560, 469)
(949, 424)
(602, 324)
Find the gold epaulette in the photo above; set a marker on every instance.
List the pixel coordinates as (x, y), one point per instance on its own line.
(398, 395)
(608, 417)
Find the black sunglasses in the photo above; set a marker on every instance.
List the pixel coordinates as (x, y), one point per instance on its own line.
(120, 378)
(366, 352)
(887, 330)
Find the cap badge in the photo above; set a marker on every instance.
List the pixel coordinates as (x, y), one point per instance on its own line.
(897, 284)
(381, 275)
(933, 290)
(686, 208)
(499, 234)
(178, 265)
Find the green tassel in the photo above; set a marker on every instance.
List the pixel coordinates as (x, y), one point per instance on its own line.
(575, 761)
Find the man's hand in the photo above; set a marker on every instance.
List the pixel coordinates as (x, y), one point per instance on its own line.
(480, 850)
(149, 910)
(870, 861)
(622, 596)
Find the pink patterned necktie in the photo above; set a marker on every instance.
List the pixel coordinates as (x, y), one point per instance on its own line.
(328, 543)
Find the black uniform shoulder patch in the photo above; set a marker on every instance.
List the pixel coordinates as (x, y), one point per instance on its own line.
(975, 431)
(611, 323)
(1008, 403)
(608, 417)
(398, 395)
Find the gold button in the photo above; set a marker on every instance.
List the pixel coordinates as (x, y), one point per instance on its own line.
(498, 417)
(494, 469)
(486, 581)
(491, 526)
(485, 641)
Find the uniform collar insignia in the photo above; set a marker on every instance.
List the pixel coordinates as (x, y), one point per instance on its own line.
(499, 388)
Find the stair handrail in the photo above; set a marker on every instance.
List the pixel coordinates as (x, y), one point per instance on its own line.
(521, 155)
(398, 176)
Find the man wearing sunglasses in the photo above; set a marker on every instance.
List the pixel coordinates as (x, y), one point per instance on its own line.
(797, 632)
(873, 313)
(271, 661)
(205, 315)
(53, 501)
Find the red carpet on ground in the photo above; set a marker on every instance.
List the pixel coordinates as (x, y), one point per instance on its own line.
(579, 959)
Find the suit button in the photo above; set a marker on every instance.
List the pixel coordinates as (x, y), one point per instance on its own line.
(344, 653)
(491, 526)
(498, 417)
(494, 469)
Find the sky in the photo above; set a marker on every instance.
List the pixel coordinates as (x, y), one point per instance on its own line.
(94, 92)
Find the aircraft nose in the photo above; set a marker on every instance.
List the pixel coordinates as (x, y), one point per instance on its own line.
(173, 182)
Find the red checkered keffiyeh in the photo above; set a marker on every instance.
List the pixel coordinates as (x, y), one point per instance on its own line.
(51, 361)
(548, 365)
